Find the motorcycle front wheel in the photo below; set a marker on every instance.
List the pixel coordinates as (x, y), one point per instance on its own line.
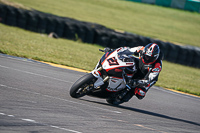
(82, 86)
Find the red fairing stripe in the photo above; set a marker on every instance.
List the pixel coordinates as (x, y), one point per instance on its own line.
(99, 73)
(107, 57)
(129, 74)
(117, 77)
(106, 54)
(110, 90)
(119, 49)
(129, 63)
(118, 70)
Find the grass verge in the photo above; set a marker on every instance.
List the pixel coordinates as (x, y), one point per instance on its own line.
(18, 42)
(157, 22)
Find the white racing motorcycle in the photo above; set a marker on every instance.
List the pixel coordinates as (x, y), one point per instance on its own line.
(108, 79)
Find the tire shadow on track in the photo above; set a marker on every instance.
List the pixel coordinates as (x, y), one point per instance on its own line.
(145, 112)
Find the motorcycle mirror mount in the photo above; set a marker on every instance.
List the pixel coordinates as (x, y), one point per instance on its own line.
(101, 50)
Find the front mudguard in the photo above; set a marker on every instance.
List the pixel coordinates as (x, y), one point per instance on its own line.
(99, 80)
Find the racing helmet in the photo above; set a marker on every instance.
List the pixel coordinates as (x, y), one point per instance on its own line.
(150, 53)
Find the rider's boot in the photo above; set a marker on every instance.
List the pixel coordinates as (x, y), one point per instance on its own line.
(140, 93)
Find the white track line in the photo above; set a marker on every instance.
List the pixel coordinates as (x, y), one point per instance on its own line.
(57, 98)
(33, 121)
(48, 95)
(27, 72)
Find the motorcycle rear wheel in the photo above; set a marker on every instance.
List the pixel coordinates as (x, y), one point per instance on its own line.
(114, 101)
(82, 86)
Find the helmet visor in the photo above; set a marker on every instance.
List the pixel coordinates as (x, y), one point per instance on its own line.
(148, 59)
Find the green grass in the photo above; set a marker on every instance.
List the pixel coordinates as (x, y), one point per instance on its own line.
(148, 20)
(180, 78)
(167, 24)
(18, 42)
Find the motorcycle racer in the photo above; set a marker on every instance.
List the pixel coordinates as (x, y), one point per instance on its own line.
(148, 65)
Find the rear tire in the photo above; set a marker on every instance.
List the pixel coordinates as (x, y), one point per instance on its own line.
(114, 101)
(82, 86)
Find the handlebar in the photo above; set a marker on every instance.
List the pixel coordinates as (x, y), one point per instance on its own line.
(101, 50)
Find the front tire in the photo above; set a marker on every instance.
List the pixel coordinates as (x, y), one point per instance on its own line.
(82, 86)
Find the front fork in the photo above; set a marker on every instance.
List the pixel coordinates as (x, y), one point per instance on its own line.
(100, 81)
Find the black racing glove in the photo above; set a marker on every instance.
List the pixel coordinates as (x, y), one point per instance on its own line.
(132, 82)
(143, 83)
(107, 49)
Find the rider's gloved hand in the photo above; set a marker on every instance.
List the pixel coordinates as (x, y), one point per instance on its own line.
(143, 83)
(132, 83)
(107, 49)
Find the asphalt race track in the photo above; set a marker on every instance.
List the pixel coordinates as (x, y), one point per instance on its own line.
(34, 98)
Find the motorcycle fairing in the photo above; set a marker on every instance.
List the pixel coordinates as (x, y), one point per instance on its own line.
(114, 67)
(111, 61)
(115, 84)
